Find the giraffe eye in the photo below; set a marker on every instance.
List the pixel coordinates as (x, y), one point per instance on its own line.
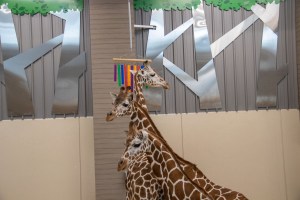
(152, 75)
(142, 71)
(125, 104)
(137, 145)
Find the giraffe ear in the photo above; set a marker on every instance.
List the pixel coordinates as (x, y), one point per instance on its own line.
(113, 96)
(128, 88)
(122, 89)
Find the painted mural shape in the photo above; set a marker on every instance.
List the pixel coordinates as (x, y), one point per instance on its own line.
(206, 85)
(12, 69)
(72, 65)
(268, 74)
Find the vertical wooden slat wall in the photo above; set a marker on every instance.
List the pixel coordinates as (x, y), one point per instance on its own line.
(109, 38)
(236, 66)
(297, 7)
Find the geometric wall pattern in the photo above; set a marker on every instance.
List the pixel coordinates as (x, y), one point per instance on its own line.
(237, 66)
(42, 75)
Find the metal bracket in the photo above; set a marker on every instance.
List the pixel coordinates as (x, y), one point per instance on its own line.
(144, 26)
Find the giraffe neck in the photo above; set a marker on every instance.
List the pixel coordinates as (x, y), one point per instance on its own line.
(141, 119)
(138, 90)
(140, 181)
(166, 167)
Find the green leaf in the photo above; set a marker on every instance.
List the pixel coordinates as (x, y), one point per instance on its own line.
(41, 6)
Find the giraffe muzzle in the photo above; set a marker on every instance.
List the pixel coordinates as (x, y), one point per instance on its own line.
(110, 116)
(122, 165)
(166, 86)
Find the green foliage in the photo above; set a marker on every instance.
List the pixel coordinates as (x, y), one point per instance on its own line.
(237, 4)
(41, 6)
(148, 5)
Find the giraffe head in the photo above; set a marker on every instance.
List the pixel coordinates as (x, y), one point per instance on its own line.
(137, 142)
(150, 78)
(122, 104)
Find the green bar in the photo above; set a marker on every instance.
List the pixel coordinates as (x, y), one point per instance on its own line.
(119, 76)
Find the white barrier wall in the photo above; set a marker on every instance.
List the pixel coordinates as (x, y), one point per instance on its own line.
(255, 152)
(47, 159)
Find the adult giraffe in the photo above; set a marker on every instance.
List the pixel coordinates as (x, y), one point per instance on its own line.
(146, 77)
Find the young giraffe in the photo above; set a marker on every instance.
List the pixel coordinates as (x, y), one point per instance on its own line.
(124, 105)
(141, 183)
(164, 164)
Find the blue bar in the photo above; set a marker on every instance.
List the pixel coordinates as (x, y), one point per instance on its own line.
(122, 74)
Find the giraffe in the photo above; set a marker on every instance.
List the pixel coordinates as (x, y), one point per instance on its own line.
(135, 189)
(175, 183)
(146, 77)
(125, 105)
(141, 183)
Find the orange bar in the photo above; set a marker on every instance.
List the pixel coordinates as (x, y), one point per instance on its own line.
(128, 75)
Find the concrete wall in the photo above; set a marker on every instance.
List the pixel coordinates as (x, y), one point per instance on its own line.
(47, 159)
(255, 152)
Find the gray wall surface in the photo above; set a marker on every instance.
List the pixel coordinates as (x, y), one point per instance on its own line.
(236, 66)
(32, 31)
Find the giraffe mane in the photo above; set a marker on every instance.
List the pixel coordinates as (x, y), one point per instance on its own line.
(157, 133)
(174, 155)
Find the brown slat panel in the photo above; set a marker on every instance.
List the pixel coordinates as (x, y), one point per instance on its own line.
(48, 67)
(189, 55)
(109, 38)
(38, 71)
(169, 54)
(240, 93)
(228, 64)
(291, 53)
(297, 24)
(217, 28)
(282, 59)
(179, 61)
